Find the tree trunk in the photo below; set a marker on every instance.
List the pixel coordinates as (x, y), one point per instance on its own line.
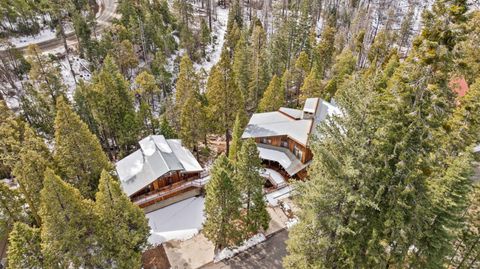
(65, 45)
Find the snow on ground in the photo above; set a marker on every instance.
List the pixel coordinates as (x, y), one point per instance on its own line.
(291, 222)
(179, 221)
(280, 194)
(214, 50)
(80, 68)
(276, 176)
(43, 35)
(230, 252)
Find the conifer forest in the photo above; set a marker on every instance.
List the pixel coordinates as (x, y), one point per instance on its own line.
(294, 134)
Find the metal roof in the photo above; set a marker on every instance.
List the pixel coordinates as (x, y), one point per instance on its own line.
(278, 123)
(156, 157)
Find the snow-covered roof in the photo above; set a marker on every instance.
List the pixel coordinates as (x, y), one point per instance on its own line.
(294, 113)
(290, 122)
(156, 157)
(311, 105)
(282, 156)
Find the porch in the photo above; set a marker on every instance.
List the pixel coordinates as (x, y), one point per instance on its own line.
(282, 160)
(154, 193)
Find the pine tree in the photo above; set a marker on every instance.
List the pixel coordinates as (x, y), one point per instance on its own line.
(222, 206)
(11, 209)
(125, 57)
(28, 173)
(274, 96)
(113, 108)
(236, 144)
(343, 67)
(259, 74)
(167, 130)
(312, 85)
(192, 122)
(241, 62)
(333, 189)
(250, 183)
(225, 100)
(24, 247)
(78, 153)
(122, 230)
(147, 91)
(324, 52)
(205, 38)
(67, 225)
(187, 82)
(10, 137)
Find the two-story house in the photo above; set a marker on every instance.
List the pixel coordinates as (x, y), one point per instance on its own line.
(282, 136)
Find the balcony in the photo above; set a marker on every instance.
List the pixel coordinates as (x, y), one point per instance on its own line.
(170, 191)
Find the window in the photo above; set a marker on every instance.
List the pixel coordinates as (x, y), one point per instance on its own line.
(297, 152)
(265, 140)
(284, 143)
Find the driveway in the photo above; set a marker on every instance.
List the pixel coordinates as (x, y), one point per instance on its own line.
(268, 254)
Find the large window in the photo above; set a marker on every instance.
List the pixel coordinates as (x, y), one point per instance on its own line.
(297, 151)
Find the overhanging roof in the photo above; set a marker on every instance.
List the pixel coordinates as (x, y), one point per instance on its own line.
(156, 157)
(282, 156)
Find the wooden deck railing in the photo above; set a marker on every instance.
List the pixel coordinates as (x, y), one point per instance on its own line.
(177, 187)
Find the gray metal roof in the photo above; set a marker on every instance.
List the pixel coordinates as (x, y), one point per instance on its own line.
(282, 156)
(156, 157)
(288, 121)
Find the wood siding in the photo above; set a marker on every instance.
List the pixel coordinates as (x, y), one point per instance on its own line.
(277, 142)
(164, 182)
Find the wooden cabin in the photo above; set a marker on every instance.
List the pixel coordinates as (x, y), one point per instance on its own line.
(282, 136)
(161, 169)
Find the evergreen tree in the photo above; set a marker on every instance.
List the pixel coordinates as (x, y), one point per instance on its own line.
(10, 137)
(147, 92)
(11, 209)
(67, 225)
(236, 139)
(125, 57)
(274, 96)
(222, 206)
(324, 52)
(344, 66)
(259, 74)
(167, 130)
(250, 183)
(122, 227)
(187, 82)
(24, 247)
(28, 173)
(312, 85)
(78, 153)
(192, 122)
(225, 100)
(333, 189)
(241, 62)
(113, 108)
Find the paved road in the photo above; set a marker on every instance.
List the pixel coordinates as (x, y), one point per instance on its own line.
(106, 13)
(268, 255)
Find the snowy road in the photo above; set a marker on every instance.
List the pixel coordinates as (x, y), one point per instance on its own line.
(106, 13)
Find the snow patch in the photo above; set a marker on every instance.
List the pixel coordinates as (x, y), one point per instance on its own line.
(227, 253)
(291, 222)
(179, 221)
(274, 197)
